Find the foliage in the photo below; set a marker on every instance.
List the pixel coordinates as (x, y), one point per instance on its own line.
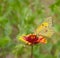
(19, 17)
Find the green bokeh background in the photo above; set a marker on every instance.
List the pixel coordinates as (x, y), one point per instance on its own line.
(19, 17)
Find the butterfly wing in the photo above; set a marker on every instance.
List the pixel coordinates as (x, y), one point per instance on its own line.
(45, 29)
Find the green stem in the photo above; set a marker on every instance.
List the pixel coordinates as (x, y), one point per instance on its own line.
(31, 51)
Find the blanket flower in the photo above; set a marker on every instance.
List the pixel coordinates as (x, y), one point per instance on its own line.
(33, 39)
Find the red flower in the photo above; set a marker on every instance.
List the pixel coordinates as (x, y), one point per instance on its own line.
(33, 39)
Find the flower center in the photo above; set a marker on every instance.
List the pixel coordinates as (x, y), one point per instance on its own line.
(32, 37)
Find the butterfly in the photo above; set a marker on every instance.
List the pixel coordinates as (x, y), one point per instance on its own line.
(45, 28)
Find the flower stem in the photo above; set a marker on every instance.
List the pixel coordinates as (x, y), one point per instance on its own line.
(31, 51)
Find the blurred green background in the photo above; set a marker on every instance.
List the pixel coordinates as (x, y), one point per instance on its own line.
(19, 17)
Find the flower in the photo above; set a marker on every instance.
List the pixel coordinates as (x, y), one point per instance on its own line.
(32, 39)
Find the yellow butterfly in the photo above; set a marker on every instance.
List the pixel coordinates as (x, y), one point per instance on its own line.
(46, 28)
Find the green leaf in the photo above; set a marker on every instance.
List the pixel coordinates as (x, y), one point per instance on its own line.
(57, 27)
